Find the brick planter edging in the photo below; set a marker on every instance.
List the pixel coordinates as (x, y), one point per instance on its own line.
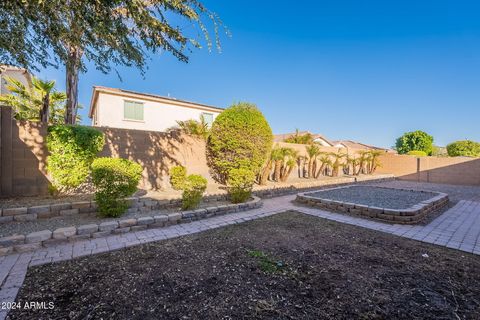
(411, 215)
(145, 204)
(46, 238)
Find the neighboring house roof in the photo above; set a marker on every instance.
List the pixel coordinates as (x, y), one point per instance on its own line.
(315, 136)
(146, 96)
(355, 145)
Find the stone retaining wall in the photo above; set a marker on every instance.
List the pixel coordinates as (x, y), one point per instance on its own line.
(45, 238)
(412, 215)
(145, 204)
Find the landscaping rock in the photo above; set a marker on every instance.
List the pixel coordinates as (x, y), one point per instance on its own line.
(127, 223)
(14, 211)
(39, 209)
(87, 229)
(38, 236)
(108, 226)
(138, 228)
(64, 233)
(27, 247)
(174, 216)
(161, 218)
(5, 251)
(69, 212)
(101, 234)
(145, 221)
(12, 240)
(6, 219)
(121, 230)
(25, 217)
(57, 207)
(81, 205)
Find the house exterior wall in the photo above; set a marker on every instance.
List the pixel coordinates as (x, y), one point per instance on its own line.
(158, 116)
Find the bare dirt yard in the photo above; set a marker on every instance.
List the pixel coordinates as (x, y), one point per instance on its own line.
(287, 266)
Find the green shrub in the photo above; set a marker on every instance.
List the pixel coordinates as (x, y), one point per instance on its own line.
(416, 140)
(240, 137)
(240, 183)
(194, 187)
(114, 179)
(178, 175)
(72, 150)
(417, 153)
(465, 148)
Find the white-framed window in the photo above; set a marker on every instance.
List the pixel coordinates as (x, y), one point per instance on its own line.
(133, 110)
(208, 117)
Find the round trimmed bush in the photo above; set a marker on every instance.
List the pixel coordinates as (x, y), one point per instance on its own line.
(240, 184)
(178, 175)
(415, 141)
(194, 187)
(114, 179)
(240, 137)
(464, 148)
(417, 153)
(72, 150)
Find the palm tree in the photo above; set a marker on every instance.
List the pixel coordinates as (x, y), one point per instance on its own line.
(363, 160)
(351, 163)
(277, 156)
(325, 163)
(289, 163)
(374, 161)
(195, 127)
(313, 151)
(39, 102)
(336, 162)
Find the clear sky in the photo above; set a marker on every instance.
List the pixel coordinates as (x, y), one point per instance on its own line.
(362, 70)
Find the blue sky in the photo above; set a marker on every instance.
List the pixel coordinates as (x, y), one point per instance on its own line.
(361, 70)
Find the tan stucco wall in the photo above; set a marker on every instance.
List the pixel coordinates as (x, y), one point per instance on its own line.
(157, 116)
(455, 170)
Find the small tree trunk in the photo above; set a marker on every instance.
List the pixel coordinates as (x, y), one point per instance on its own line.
(278, 167)
(322, 167)
(72, 71)
(45, 112)
(266, 173)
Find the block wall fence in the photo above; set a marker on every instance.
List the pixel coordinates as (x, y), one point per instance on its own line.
(23, 155)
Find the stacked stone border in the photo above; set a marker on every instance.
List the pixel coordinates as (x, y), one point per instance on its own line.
(411, 215)
(47, 238)
(145, 204)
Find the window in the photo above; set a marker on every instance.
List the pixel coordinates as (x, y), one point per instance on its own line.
(133, 110)
(208, 117)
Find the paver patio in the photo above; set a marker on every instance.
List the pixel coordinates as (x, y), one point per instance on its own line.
(457, 228)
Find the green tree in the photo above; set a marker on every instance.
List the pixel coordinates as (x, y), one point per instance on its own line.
(415, 140)
(240, 137)
(102, 32)
(40, 101)
(464, 148)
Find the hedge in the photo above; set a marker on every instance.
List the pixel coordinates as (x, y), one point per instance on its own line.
(114, 179)
(72, 150)
(465, 148)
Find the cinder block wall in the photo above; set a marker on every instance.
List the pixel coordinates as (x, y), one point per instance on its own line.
(458, 170)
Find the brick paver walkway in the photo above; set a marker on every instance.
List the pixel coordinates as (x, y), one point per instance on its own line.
(457, 228)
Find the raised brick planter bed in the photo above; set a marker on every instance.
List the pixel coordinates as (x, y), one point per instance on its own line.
(34, 240)
(410, 215)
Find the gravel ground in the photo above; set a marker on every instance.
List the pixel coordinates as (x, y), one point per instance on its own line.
(11, 228)
(455, 192)
(374, 196)
(288, 266)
